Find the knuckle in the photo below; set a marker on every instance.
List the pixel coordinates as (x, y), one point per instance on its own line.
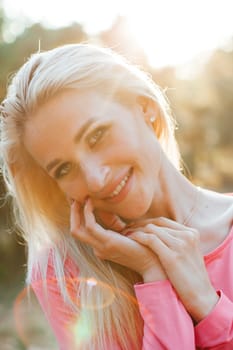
(149, 226)
(74, 232)
(89, 227)
(176, 257)
(160, 219)
(182, 245)
(148, 239)
(196, 234)
(172, 259)
(114, 222)
(109, 246)
(99, 254)
(193, 237)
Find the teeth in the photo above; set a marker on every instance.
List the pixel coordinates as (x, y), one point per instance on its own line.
(119, 187)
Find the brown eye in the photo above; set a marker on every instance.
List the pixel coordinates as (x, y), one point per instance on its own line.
(62, 170)
(96, 136)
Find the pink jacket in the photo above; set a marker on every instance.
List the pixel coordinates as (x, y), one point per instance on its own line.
(167, 325)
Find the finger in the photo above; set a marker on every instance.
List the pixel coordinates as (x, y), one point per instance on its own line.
(92, 226)
(111, 220)
(176, 240)
(151, 241)
(108, 243)
(180, 239)
(166, 222)
(75, 216)
(166, 235)
(177, 230)
(76, 226)
(151, 228)
(173, 239)
(161, 221)
(158, 221)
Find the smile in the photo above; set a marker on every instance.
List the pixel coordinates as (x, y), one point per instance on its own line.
(120, 186)
(122, 189)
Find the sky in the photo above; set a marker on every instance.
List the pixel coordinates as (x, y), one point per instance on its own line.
(171, 32)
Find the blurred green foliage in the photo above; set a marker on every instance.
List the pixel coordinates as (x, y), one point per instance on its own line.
(201, 104)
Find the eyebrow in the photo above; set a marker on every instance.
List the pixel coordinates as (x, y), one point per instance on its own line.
(83, 129)
(76, 139)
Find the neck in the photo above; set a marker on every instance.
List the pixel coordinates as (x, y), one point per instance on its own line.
(175, 197)
(178, 199)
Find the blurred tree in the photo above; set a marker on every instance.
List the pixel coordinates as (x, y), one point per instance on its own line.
(12, 55)
(219, 73)
(1, 23)
(202, 104)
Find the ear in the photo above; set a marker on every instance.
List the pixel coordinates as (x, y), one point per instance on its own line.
(149, 108)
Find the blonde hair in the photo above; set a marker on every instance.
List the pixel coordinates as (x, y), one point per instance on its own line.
(41, 209)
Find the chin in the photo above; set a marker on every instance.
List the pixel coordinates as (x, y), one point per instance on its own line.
(135, 212)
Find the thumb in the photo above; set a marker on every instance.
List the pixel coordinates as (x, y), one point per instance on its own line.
(110, 220)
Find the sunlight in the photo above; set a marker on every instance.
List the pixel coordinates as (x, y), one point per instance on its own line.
(179, 31)
(171, 32)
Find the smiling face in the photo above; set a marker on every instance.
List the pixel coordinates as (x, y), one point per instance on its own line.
(97, 147)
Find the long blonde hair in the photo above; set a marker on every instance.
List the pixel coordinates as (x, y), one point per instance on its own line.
(41, 209)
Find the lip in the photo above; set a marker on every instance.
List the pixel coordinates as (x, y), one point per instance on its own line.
(125, 190)
(109, 189)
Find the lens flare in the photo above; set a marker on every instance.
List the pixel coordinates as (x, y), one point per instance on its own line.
(81, 328)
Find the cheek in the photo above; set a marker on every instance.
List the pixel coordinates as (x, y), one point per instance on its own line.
(123, 146)
(73, 189)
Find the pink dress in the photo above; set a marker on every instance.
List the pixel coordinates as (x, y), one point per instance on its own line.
(167, 325)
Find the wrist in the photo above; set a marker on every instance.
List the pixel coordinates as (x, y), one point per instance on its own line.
(204, 307)
(153, 275)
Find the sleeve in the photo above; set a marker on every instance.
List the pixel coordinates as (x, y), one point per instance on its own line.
(62, 319)
(215, 331)
(167, 325)
(59, 315)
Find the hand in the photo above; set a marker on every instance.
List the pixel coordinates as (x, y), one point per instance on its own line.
(111, 245)
(178, 249)
(109, 221)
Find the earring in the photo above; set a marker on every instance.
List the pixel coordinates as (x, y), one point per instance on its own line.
(152, 119)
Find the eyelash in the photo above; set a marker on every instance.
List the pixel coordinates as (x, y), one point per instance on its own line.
(96, 135)
(58, 172)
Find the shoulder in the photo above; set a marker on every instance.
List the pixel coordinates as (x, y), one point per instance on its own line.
(50, 268)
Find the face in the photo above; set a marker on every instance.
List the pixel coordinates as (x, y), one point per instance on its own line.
(96, 147)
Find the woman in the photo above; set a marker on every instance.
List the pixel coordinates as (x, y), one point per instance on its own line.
(116, 234)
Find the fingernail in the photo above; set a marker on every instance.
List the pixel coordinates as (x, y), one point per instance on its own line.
(88, 204)
(128, 233)
(70, 200)
(86, 200)
(130, 224)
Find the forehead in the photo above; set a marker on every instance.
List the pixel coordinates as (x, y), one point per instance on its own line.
(67, 106)
(50, 131)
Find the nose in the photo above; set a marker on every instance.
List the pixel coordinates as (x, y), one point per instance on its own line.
(95, 176)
